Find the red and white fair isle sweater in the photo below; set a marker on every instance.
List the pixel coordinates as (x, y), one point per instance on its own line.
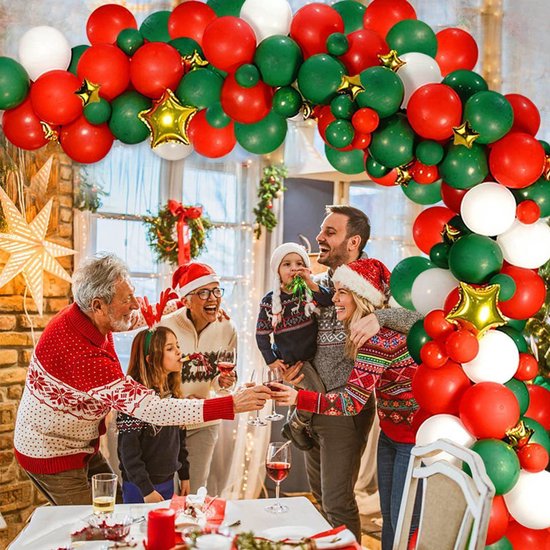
(74, 380)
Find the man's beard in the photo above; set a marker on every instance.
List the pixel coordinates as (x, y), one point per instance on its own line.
(336, 257)
(120, 325)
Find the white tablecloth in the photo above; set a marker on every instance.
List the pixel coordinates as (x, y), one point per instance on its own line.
(50, 527)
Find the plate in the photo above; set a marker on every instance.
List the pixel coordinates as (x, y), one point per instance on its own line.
(297, 532)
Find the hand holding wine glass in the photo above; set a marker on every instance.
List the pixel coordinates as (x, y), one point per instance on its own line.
(273, 374)
(277, 465)
(226, 361)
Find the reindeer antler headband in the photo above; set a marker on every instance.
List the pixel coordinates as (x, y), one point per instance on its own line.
(153, 314)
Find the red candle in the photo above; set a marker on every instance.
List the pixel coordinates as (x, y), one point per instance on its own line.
(161, 531)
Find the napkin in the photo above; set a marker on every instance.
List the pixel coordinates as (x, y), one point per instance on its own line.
(213, 508)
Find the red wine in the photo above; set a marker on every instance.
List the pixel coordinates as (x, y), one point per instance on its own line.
(271, 386)
(226, 368)
(277, 471)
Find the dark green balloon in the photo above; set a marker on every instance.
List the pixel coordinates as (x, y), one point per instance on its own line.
(76, 54)
(14, 83)
(538, 192)
(155, 27)
(475, 258)
(384, 91)
(465, 83)
(519, 389)
(278, 58)
(247, 75)
(501, 463)
(416, 338)
(517, 336)
(490, 114)
(423, 193)
(540, 435)
(320, 77)
(340, 133)
(412, 35)
(125, 124)
(507, 286)
(129, 40)
(403, 276)
(518, 324)
(337, 44)
(439, 255)
(287, 101)
(352, 13)
(393, 142)
(342, 106)
(98, 112)
(226, 7)
(216, 117)
(264, 136)
(462, 168)
(456, 222)
(186, 46)
(200, 88)
(545, 146)
(347, 162)
(375, 169)
(500, 544)
(429, 152)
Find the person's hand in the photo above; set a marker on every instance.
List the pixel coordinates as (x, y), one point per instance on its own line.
(363, 329)
(226, 380)
(284, 395)
(292, 374)
(250, 398)
(278, 363)
(305, 273)
(193, 396)
(223, 315)
(185, 487)
(153, 497)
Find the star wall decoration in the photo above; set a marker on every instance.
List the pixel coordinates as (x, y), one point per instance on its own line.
(30, 253)
(464, 135)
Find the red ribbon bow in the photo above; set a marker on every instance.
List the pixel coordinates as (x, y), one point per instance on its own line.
(184, 213)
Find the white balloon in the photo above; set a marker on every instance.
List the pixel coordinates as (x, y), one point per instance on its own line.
(43, 49)
(267, 17)
(488, 209)
(529, 500)
(173, 151)
(431, 288)
(443, 426)
(496, 361)
(419, 69)
(526, 245)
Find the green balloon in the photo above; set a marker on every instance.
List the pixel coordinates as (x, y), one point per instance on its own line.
(342, 106)
(155, 27)
(186, 46)
(129, 40)
(76, 54)
(462, 168)
(247, 75)
(500, 544)
(98, 112)
(412, 35)
(14, 83)
(278, 58)
(517, 336)
(490, 114)
(456, 222)
(375, 169)
(423, 193)
(507, 286)
(429, 152)
(347, 162)
(475, 258)
(540, 435)
(352, 13)
(226, 7)
(339, 134)
(439, 255)
(519, 389)
(518, 324)
(416, 338)
(320, 77)
(200, 88)
(403, 276)
(216, 117)
(384, 91)
(538, 192)
(287, 101)
(337, 44)
(545, 146)
(501, 463)
(393, 142)
(264, 136)
(125, 124)
(465, 83)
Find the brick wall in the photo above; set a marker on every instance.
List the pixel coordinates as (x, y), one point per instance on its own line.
(18, 497)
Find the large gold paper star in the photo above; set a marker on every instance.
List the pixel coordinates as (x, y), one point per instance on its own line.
(352, 85)
(391, 60)
(168, 120)
(464, 135)
(30, 253)
(477, 309)
(88, 92)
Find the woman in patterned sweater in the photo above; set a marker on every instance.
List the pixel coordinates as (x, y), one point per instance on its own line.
(383, 365)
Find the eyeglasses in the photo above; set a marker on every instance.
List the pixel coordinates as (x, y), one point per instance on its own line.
(204, 294)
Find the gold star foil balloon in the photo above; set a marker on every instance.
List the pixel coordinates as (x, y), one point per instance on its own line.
(403, 175)
(351, 85)
(391, 60)
(195, 61)
(464, 135)
(518, 436)
(49, 133)
(88, 92)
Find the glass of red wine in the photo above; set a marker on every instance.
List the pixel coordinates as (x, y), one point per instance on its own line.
(226, 361)
(277, 465)
(256, 420)
(274, 374)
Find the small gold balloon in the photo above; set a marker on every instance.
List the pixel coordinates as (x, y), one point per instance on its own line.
(195, 61)
(391, 60)
(88, 92)
(403, 175)
(351, 85)
(464, 135)
(518, 436)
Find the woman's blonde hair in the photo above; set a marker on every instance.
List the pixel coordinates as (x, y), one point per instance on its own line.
(147, 368)
(364, 307)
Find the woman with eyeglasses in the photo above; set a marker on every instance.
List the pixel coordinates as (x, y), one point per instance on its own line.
(203, 332)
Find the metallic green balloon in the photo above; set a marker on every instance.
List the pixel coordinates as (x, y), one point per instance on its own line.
(393, 142)
(429, 152)
(490, 114)
(200, 88)
(462, 168)
(423, 193)
(98, 112)
(129, 40)
(475, 258)
(125, 124)
(278, 58)
(352, 13)
(287, 101)
(155, 27)
(347, 162)
(319, 78)
(384, 91)
(14, 83)
(264, 136)
(412, 35)
(465, 83)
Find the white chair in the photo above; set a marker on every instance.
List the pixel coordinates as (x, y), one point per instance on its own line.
(455, 507)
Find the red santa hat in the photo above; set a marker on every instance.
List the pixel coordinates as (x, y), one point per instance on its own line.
(366, 277)
(191, 276)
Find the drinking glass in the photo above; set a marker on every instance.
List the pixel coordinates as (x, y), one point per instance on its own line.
(104, 493)
(274, 374)
(277, 465)
(226, 361)
(256, 421)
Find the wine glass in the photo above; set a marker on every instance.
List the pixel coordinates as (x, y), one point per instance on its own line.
(256, 421)
(274, 374)
(226, 360)
(277, 465)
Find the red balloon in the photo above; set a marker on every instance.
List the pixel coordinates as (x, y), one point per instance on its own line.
(462, 346)
(489, 410)
(190, 19)
(209, 141)
(312, 25)
(154, 67)
(413, 540)
(528, 367)
(382, 15)
(428, 226)
(361, 141)
(533, 457)
(529, 296)
(440, 390)
(526, 114)
(246, 105)
(85, 142)
(53, 97)
(539, 405)
(364, 47)
(452, 197)
(106, 22)
(523, 538)
(365, 120)
(433, 355)
(436, 325)
(451, 301)
(386, 181)
(434, 110)
(517, 160)
(229, 42)
(424, 174)
(456, 49)
(498, 520)
(324, 118)
(528, 212)
(22, 127)
(106, 65)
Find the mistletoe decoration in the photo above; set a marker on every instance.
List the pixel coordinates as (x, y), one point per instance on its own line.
(271, 187)
(89, 194)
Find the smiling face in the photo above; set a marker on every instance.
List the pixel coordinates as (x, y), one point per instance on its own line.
(203, 312)
(118, 316)
(171, 354)
(335, 247)
(288, 266)
(344, 302)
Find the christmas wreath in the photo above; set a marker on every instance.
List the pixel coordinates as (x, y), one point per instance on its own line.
(271, 187)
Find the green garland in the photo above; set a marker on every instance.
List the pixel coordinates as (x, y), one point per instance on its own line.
(271, 187)
(163, 239)
(88, 196)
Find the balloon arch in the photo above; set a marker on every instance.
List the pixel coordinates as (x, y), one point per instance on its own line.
(391, 98)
